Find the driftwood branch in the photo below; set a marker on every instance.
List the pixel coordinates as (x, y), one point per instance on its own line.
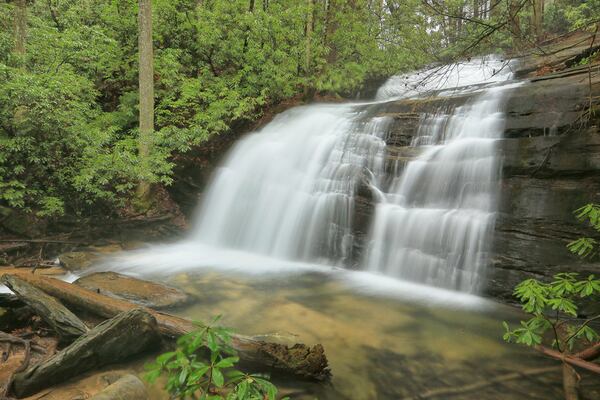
(63, 322)
(589, 354)
(569, 359)
(301, 360)
(453, 391)
(113, 340)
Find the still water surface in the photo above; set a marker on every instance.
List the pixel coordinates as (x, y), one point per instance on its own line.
(379, 347)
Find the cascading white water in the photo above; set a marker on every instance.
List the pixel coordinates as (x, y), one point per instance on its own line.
(287, 193)
(288, 190)
(435, 223)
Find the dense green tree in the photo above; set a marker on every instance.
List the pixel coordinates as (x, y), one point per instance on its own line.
(72, 113)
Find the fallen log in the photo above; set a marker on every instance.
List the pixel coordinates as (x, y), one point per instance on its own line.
(67, 326)
(10, 300)
(113, 340)
(299, 359)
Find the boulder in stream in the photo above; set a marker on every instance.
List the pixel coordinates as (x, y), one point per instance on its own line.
(149, 294)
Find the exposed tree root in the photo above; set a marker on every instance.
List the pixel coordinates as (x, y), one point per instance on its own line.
(28, 346)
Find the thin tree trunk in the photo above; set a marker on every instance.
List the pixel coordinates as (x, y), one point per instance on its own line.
(308, 49)
(570, 382)
(537, 19)
(515, 23)
(247, 34)
(309, 29)
(330, 26)
(20, 26)
(146, 88)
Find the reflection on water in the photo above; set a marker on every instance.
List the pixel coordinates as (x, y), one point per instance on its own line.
(378, 347)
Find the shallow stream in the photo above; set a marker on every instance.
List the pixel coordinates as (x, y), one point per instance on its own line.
(378, 346)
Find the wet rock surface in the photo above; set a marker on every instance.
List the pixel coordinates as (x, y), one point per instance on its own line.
(142, 292)
(128, 387)
(81, 259)
(550, 164)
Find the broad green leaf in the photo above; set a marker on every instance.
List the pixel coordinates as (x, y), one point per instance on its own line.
(217, 377)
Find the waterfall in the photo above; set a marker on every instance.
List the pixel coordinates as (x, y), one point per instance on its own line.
(290, 192)
(435, 223)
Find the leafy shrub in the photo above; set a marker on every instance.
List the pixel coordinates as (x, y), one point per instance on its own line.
(553, 306)
(202, 367)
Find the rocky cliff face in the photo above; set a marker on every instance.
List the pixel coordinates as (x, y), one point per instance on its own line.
(551, 163)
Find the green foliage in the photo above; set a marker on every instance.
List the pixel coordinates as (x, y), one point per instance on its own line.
(201, 367)
(553, 306)
(586, 246)
(565, 15)
(68, 107)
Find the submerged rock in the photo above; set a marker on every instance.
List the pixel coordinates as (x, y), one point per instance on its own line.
(76, 261)
(146, 293)
(127, 387)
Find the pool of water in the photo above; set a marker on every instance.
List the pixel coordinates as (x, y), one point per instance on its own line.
(379, 345)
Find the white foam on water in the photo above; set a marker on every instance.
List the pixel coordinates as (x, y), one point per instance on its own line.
(162, 261)
(449, 79)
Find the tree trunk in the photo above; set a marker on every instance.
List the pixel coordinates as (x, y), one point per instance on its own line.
(515, 24)
(308, 50)
(301, 360)
(20, 26)
(329, 30)
(63, 322)
(309, 30)
(146, 93)
(247, 33)
(114, 340)
(570, 382)
(537, 19)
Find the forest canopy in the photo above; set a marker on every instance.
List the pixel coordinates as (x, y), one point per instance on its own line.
(69, 89)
